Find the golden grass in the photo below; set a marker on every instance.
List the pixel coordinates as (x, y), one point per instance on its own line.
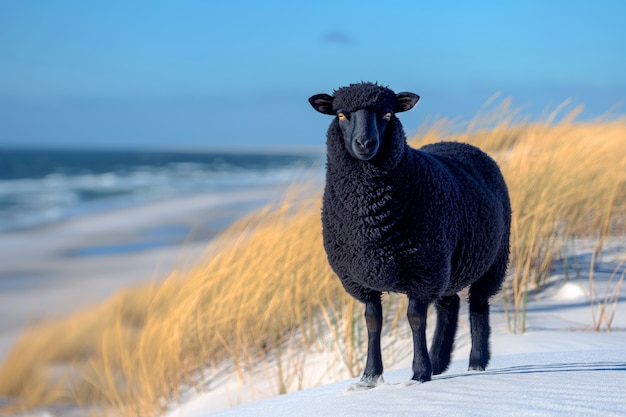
(264, 277)
(265, 283)
(566, 180)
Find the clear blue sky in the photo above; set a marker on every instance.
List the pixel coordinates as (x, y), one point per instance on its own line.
(205, 74)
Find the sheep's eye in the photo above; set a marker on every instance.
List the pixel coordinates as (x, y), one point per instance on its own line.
(341, 116)
(387, 116)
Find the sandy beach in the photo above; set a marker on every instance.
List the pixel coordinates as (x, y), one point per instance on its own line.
(558, 367)
(55, 270)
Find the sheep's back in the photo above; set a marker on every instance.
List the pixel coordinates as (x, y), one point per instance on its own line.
(472, 162)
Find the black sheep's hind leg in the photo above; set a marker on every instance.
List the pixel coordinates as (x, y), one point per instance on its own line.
(479, 293)
(373, 373)
(479, 325)
(443, 341)
(416, 314)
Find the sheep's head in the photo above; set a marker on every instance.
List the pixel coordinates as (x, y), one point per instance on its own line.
(363, 112)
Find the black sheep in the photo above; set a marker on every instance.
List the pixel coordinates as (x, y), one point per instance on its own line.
(426, 223)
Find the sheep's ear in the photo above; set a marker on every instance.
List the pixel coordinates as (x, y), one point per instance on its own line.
(323, 103)
(406, 101)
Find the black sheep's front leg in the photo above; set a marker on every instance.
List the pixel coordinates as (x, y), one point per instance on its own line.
(416, 313)
(373, 374)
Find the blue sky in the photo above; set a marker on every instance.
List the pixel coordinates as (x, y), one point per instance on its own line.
(207, 74)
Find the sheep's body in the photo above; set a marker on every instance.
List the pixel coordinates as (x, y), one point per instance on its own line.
(426, 223)
(426, 229)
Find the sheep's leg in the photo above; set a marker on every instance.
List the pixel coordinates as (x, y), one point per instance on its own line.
(479, 294)
(416, 313)
(479, 325)
(374, 322)
(443, 341)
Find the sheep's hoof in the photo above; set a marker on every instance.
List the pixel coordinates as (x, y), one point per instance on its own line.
(438, 370)
(367, 382)
(421, 378)
(477, 368)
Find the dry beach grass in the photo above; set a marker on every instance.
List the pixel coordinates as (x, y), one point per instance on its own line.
(264, 286)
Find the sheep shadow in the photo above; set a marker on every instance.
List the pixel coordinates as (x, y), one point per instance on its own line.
(564, 367)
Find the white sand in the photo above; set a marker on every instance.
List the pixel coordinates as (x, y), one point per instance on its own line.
(43, 275)
(559, 367)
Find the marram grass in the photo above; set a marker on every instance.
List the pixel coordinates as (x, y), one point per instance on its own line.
(265, 283)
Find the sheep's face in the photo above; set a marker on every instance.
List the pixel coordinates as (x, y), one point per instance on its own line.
(364, 112)
(363, 131)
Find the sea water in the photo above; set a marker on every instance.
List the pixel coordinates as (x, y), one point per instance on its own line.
(43, 187)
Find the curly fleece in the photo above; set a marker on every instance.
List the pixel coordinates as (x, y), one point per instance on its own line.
(425, 222)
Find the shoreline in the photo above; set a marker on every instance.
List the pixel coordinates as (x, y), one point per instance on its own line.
(58, 269)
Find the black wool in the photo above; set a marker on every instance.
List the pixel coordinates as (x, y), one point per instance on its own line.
(424, 222)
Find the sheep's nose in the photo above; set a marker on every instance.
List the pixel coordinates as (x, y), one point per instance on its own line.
(365, 143)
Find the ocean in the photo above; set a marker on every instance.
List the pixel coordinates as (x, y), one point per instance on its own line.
(43, 187)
